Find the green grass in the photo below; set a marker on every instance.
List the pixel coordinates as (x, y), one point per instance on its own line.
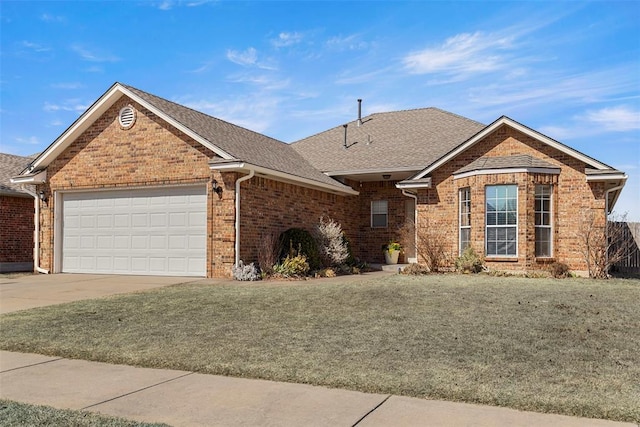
(562, 346)
(14, 414)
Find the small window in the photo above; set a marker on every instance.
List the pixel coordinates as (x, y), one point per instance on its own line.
(543, 221)
(501, 236)
(379, 214)
(465, 218)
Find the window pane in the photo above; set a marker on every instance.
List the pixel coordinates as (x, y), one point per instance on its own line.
(511, 248)
(378, 220)
(491, 219)
(512, 218)
(491, 192)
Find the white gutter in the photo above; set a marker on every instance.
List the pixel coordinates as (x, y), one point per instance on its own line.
(415, 222)
(238, 181)
(36, 233)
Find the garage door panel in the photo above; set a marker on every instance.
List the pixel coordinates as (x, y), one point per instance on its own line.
(149, 231)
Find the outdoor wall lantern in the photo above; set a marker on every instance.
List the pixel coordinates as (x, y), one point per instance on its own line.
(216, 188)
(42, 196)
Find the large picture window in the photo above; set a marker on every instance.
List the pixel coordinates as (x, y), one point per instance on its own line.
(379, 213)
(543, 221)
(465, 218)
(501, 236)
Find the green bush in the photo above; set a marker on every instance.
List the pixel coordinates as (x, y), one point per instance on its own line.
(469, 262)
(301, 240)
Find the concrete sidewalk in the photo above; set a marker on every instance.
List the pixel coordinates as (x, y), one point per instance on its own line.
(183, 398)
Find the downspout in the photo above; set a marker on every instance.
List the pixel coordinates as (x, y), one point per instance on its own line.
(415, 221)
(36, 234)
(238, 181)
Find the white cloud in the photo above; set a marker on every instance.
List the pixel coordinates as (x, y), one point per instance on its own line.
(35, 47)
(616, 119)
(351, 42)
(31, 140)
(52, 18)
(287, 39)
(67, 105)
(68, 85)
(247, 58)
(464, 53)
(93, 55)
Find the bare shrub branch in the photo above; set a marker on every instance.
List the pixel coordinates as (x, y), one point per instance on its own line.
(433, 246)
(268, 252)
(602, 244)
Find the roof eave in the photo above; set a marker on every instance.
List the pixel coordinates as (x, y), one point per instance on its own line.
(32, 178)
(240, 166)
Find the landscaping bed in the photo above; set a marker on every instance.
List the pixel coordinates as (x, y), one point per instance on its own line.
(562, 346)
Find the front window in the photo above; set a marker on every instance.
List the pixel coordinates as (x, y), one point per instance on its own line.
(465, 218)
(543, 221)
(501, 235)
(379, 215)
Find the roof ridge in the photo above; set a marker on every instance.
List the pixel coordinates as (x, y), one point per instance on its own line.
(382, 113)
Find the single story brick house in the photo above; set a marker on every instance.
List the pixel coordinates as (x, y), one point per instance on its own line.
(16, 217)
(142, 185)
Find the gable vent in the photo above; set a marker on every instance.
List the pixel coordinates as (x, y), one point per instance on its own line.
(127, 117)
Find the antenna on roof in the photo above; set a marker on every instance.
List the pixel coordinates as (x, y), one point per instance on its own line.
(359, 112)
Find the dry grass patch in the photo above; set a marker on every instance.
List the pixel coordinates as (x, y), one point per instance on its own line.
(562, 346)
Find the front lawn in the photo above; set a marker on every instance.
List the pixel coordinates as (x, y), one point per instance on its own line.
(563, 346)
(14, 414)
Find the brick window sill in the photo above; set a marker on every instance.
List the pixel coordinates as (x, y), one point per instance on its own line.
(501, 259)
(545, 259)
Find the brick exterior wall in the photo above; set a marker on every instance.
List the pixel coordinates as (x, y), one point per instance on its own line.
(16, 231)
(571, 196)
(271, 207)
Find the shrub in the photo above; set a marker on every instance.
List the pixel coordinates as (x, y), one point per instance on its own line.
(331, 242)
(302, 240)
(416, 269)
(559, 270)
(293, 266)
(469, 261)
(268, 252)
(244, 272)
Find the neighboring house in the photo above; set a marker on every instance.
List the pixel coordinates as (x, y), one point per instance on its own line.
(16, 217)
(142, 185)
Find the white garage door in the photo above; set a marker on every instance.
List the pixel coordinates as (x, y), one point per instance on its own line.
(158, 231)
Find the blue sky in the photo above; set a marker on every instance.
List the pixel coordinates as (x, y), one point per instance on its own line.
(291, 69)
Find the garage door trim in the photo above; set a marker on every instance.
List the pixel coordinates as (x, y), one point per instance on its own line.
(58, 197)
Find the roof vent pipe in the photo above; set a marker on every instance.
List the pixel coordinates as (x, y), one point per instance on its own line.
(345, 136)
(359, 112)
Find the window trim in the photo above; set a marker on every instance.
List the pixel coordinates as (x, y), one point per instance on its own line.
(543, 226)
(386, 213)
(465, 191)
(487, 226)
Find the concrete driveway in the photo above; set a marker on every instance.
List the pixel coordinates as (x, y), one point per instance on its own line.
(21, 292)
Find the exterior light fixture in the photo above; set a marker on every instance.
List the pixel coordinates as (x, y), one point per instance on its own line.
(216, 188)
(386, 176)
(42, 196)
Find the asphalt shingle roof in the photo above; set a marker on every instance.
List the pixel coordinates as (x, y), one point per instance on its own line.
(401, 139)
(11, 165)
(507, 162)
(241, 143)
